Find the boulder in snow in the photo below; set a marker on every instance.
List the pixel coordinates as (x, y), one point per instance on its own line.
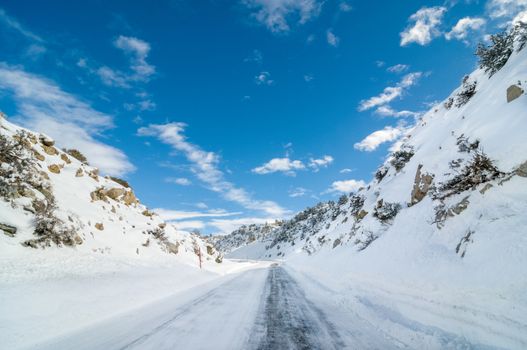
(46, 140)
(8, 229)
(513, 92)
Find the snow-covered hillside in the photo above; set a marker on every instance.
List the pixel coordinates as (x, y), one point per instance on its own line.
(441, 228)
(51, 199)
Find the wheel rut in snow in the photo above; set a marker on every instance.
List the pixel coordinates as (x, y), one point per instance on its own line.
(287, 320)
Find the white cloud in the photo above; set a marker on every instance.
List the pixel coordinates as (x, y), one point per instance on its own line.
(284, 165)
(391, 92)
(345, 171)
(298, 192)
(323, 162)
(277, 15)
(111, 77)
(505, 9)
(13, 24)
(182, 181)
(205, 165)
(345, 186)
(190, 225)
(345, 7)
(43, 106)
(462, 28)
(398, 68)
(387, 111)
(264, 78)
(308, 78)
(175, 215)
(332, 39)
(375, 139)
(424, 27)
(138, 51)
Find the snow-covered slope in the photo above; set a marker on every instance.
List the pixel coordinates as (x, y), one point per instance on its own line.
(54, 200)
(441, 229)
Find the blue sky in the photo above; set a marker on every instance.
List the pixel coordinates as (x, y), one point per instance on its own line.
(228, 112)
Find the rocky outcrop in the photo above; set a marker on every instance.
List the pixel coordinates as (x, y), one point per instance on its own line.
(99, 226)
(522, 170)
(422, 184)
(52, 151)
(8, 229)
(79, 173)
(513, 92)
(65, 158)
(54, 168)
(115, 193)
(46, 140)
(129, 198)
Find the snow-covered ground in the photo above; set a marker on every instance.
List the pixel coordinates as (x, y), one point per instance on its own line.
(44, 296)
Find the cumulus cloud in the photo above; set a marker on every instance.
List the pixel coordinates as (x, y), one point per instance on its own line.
(505, 9)
(205, 165)
(462, 28)
(332, 39)
(182, 181)
(323, 162)
(43, 106)
(376, 138)
(345, 186)
(277, 15)
(298, 192)
(398, 68)
(424, 26)
(390, 93)
(140, 70)
(345, 171)
(289, 167)
(283, 165)
(138, 51)
(387, 111)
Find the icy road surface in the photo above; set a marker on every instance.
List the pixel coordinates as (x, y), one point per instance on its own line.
(264, 309)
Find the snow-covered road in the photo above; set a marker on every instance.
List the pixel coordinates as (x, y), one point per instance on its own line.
(257, 309)
(264, 308)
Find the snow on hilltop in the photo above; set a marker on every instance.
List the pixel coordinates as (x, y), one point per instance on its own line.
(50, 198)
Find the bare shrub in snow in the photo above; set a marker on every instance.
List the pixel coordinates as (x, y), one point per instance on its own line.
(367, 239)
(385, 211)
(343, 200)
(75, 153)
(469, 90)
(464, 144)
(49, 229)
(356, 204)
(121, 182)
(479, 170)
(381, 173)
(401, 157)
(448, 103)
